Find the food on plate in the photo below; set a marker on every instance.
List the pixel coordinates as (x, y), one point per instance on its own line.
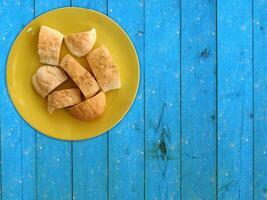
(63, 98)
(47, 78)
(84, 80)
(104, 69)
(89, 109)
(80, 44)
(49, 45)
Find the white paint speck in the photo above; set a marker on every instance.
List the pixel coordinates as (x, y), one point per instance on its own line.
(258, 23)
(3, 38)
(18, 3)
(177, 32)
(110, 10)
(153, 92)
(171, 104)
(12, 145)
(118, 161)
(264, 152)
(157, 26)
(243, 28)
(198, 18)
(142, 153)
(40, 147)
(232, 145)
(20, 181)
(133, 126)
(58, 159)
(226, 174)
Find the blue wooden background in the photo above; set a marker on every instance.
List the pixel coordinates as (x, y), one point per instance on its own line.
(198, 127)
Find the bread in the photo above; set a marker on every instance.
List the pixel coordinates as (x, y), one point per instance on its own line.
(80, 76)
(47, 78)
(104, 69)
(63, 98)
(80, 44)
(49, 45)
(90, 108)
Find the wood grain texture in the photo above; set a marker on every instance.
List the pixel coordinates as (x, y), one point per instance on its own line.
(235, 100)
(162, 100)
(90, 158)
(260, 100)
(54, 172)
(126, 140)
(17, 169)
(198, 99)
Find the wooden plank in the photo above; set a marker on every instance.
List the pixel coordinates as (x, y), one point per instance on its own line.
(198, 99)
(54, 173)
(90, 158)
(260, 100)
(235, 100)
(18, 169)
(162, 99)
(126, 140)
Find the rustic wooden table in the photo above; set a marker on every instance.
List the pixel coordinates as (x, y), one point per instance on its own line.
(197, 129)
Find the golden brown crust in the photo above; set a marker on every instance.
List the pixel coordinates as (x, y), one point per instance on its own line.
(80, 44)
(104, 69)
(49, 45)
(80, 76)
(63, 98)
(47, 78)
(90, 108)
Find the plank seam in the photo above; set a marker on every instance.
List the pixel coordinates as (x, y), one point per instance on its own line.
(253, 105)
(144, 89)
(1, 195)
(180, 27)
(216, 134)
(21, 160)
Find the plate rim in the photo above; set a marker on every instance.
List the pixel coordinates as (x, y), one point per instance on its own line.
(12, 98)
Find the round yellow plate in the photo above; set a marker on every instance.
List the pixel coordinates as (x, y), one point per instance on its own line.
(23, 63)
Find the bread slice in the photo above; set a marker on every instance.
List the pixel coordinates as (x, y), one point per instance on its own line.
(104, 69)
(80, 44)
(91, 108)
(49, 45)
(47, 78)
(84, 80)
(63, 98)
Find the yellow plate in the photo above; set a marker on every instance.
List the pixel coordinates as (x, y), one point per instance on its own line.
(23, 63)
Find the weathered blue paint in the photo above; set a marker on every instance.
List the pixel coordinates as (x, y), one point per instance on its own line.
(260, 99)
(16, 136)
(162, 100)
(90, 158)
(235, 100)
(141, 158)
(126, 140)
(198, 99)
